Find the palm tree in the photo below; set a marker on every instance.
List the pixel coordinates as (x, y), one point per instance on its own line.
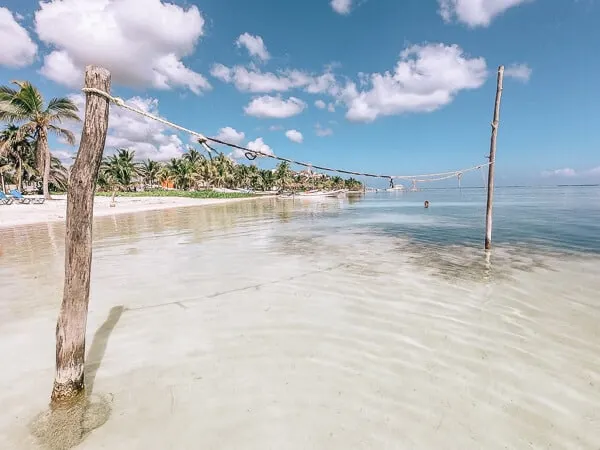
(118, 171)
(110, 175)
(268, 179)
(193, 169)
(122, 167)
(5, 167)
(353, 184)
(206, 172)
(203, 169)
(193, 156)
(18, 149)
(59, 175)
(164, 174)
(149, 171)
(182, 173)
(26, 106)
(283, 175)
(242, 176)
(223, 170)
(337, 182)
(255, 179)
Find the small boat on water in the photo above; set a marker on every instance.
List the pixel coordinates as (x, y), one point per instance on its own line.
(396, 188)
(232, 191)
(243, 191)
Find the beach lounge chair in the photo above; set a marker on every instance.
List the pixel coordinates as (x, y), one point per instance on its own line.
(4, 200)
(26, 200)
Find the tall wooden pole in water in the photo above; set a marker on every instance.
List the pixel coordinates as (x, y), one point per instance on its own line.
(490, 188)
(72, 320)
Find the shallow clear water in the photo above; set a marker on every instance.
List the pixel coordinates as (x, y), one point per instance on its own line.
(357, 323)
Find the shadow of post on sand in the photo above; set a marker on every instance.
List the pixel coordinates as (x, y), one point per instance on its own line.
(66, 426)
(98, 348)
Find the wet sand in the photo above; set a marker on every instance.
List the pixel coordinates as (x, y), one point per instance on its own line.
(56, 209)
(249, 325)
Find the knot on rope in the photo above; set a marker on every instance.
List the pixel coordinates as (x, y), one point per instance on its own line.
(118, 101)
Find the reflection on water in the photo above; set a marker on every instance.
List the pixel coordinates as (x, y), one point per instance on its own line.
(322, 324)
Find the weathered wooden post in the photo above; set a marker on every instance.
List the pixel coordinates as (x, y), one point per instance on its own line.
(490, 188)
(72, 320)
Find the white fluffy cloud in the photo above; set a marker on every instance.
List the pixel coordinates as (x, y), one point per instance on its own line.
(425, 78)
(231, 135)
(294, 136)
(259, 146)
(142, 42)
(59, 64)
(521, 72)
(255, 46)
(322, 132)
(252, 79)
(341, 6)
(16, 47)
(149, 139)
(475, 13)
(322, 105)
(274, 107)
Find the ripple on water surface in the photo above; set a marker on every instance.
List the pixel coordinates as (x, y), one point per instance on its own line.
(285, 325)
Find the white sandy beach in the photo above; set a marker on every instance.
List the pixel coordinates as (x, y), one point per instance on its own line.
(56, 209)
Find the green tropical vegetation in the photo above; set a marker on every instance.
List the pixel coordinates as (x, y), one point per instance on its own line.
(18, 162)
(26, 160)
(30, 120)
(205, 193)
(195, 172)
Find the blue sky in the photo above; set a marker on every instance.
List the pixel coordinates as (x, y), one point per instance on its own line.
(401, 87)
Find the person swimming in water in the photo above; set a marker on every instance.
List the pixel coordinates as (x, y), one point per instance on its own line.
(426, 204)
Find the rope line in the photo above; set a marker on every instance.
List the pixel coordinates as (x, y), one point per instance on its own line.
(253, 154)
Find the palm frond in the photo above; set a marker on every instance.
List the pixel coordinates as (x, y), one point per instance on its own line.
(20, 83)
(7, 92)
(29, 97)
(29, 168)
(28, 130)
(62, 108)
(64, 133)
(12, 112)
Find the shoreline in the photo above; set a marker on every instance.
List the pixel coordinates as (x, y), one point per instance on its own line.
(55, 210)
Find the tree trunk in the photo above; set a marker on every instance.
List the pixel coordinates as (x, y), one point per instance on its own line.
(44, 160)
(72, 320)
(3, 185)
(20, 177)
(46, 179)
